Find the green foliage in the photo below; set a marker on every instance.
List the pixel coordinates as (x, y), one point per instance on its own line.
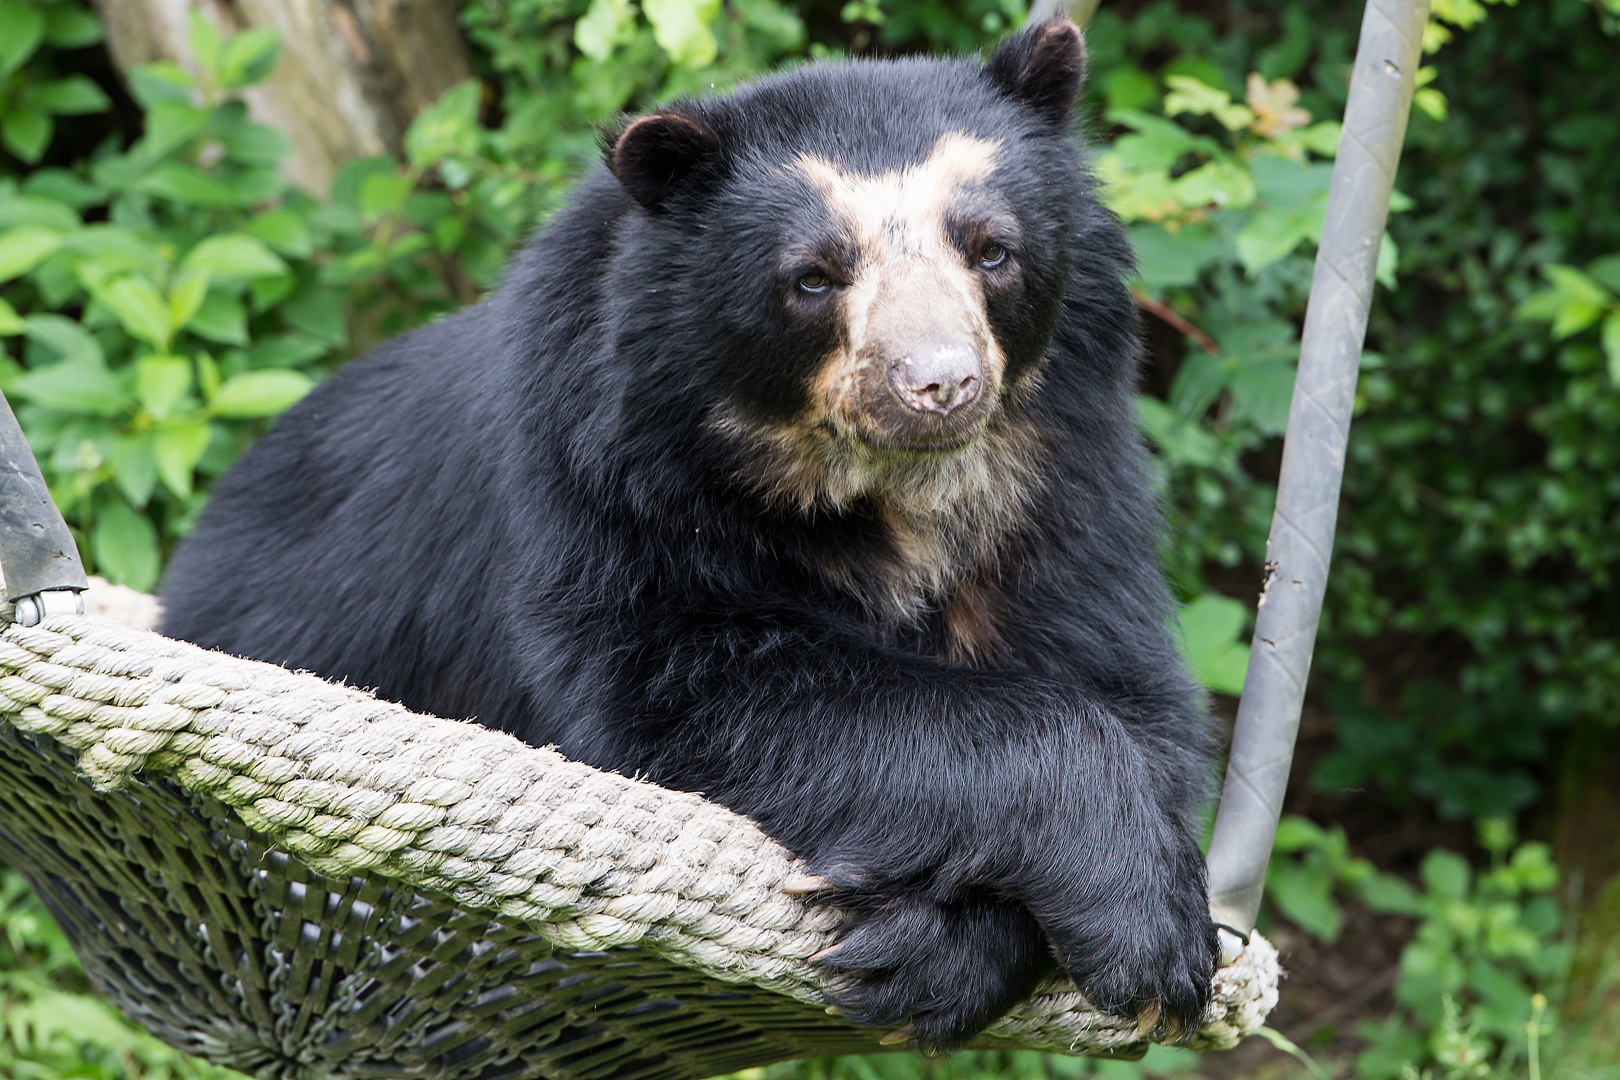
(34, 88)
(1312, 865)
(978, 1065)
(1480, 530)
(158, 304)
(1486, 950)
(1470, 992)
(1575, 300)
(52, 1025)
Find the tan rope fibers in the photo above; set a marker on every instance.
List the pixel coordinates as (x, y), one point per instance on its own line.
(588, 859)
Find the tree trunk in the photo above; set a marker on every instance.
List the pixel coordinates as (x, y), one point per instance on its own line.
(351, 75)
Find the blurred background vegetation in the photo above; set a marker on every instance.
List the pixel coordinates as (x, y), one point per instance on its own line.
(183, 253)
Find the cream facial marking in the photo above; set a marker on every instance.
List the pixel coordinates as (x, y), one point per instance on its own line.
(952, 487)
(911, 281)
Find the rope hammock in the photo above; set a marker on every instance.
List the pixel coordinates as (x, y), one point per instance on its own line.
(294, 879)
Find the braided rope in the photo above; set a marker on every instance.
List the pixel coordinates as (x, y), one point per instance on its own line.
(589, 860)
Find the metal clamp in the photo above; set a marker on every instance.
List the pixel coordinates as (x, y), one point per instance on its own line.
(31, 609)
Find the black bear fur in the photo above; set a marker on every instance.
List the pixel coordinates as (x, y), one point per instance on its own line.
(546, 513)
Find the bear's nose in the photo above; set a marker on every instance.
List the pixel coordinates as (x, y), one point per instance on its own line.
(937, 378)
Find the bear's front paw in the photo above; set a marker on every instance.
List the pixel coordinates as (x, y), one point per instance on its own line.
(937, 971)
(1150, 958)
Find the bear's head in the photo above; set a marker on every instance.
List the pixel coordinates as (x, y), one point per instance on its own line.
(851, 274)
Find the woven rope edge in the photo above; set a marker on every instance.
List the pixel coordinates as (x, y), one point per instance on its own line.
(588, 859)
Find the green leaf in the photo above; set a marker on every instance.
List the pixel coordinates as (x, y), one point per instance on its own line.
(384, 193)
(73, 387)
(605, 25)
(116, 250)
(205, 42)
(1446, 874)
(319, 313)
(75, 95)
(1221, 183)
(1611, 346)
(1389, 257)
(284, 230)
(249, 57)
(25, 247)
(134, 468)
(26, 133)
(1169, 260)
(1295, 833)
(681, 28)
(22, 28)
(448, 127)
(161, 383)
(69, 27)
(170, 124)
(1583, 300)
(1272, 234)
(285, 351)
(254, 144)
(1292, 185)
(10, 321)
(234, 257)
(177, 450)
(1388, 894)
(1191, 95)
(186, 184)
(1606, 272)
(1321, 137)
(125, 545)
(1305, 898)
(1572, 302)
(67, 339)
(266, 292)
(1129, 87)
(1210, 627)
(1262, 388)
(28, 210)
(186, 295)
(162, 80)
(1430, 102)
(260, 393)
(222, 318)
(140, 309)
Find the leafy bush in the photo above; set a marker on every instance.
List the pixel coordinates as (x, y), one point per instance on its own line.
(1475, 976)
(171, 296)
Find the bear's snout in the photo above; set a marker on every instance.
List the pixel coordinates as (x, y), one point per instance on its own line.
(937, 377)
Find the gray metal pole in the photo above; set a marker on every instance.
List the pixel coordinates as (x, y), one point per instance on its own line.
(1301, 540)
(37, 553)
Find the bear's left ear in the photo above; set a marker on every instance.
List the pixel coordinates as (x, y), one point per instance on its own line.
(655, 154)
(1042, 66)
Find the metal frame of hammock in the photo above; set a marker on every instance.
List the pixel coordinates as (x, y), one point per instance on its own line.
(296, 880)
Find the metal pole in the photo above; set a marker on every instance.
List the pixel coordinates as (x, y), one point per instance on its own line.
(1301, 540)
(37, 554)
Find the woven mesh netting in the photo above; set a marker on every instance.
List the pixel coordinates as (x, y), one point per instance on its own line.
(300, 881)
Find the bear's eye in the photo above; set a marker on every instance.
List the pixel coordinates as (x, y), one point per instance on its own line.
(814, 283)
(992, 256)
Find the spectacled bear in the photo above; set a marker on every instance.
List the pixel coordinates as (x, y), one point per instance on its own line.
(793, 463)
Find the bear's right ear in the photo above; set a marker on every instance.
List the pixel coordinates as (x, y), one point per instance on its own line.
(656, 153)
(1042, 66)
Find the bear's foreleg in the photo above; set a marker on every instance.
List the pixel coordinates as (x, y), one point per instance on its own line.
(967, 818)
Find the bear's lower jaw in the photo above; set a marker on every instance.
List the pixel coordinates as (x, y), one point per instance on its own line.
(910, 443)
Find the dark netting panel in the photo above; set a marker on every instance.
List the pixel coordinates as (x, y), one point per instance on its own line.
(232, 951)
